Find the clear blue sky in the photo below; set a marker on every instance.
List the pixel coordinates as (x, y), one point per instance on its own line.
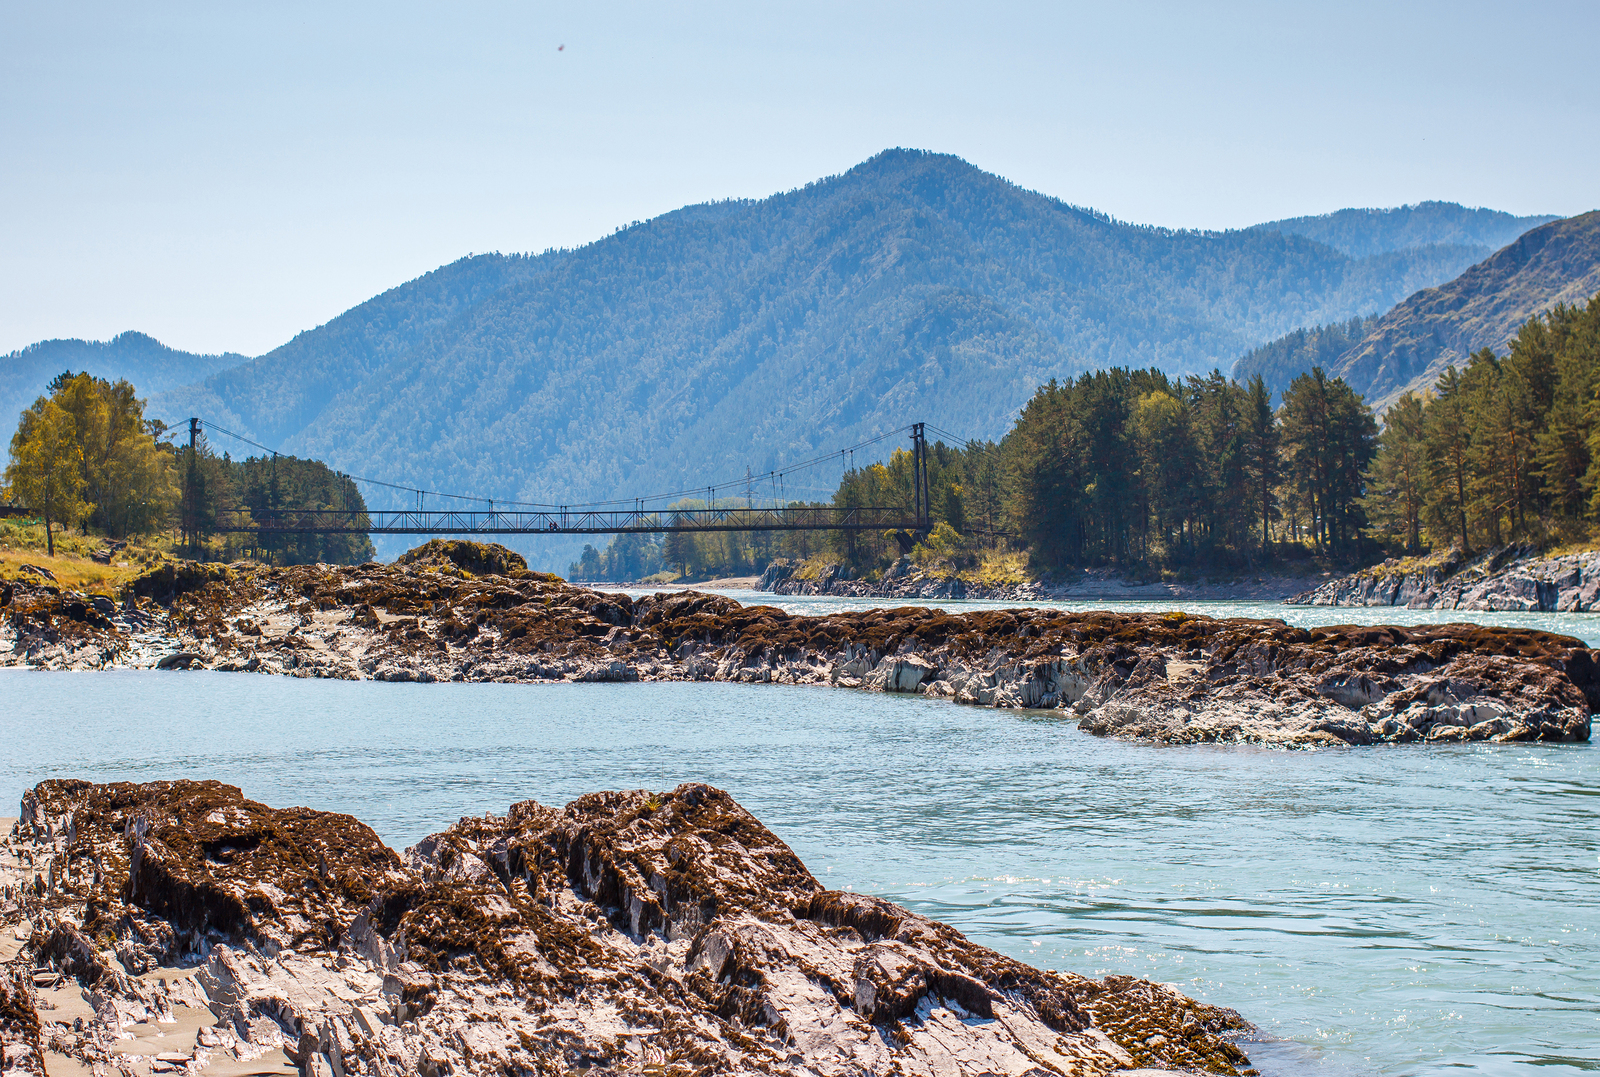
(223, 175)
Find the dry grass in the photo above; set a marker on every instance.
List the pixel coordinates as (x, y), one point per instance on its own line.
(1588, 544)
(999, 569)
(812, 567)
(23, 543)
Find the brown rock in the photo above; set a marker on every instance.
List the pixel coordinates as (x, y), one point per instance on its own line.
(625, 931)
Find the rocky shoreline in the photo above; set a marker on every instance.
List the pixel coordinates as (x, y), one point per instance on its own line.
(177, 927)
(903, 579)
(1512, 578)
(458, 611)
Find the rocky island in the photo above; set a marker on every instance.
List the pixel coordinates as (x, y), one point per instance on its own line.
(464, 611)
(905, 579)
(179, 927)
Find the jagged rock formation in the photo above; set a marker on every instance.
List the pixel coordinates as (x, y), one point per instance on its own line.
(1511, 578)
(626, 933)
(1168, 676)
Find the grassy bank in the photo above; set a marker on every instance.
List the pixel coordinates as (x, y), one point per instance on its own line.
(22, 542)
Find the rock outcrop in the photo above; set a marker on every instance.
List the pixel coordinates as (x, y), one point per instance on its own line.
(901, 580)
(664, 933)
(905, 579)
(1169, 677)
(1511, 578)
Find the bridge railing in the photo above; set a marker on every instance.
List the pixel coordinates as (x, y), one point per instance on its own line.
(566, 522)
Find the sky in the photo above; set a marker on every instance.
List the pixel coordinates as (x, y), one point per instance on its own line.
(223, 175)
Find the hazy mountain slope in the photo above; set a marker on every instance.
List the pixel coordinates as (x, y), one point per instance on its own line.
(914, 286)
(150, 365)
(1280, 361)
(1411, 345)
(275, 395)
(753, 333)
(1361, 233)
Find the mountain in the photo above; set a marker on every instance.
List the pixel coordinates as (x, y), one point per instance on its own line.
(274, 396)
(1411, 345)
(1280, 361)
(150, 365)
(753, 333)
(756, 332)
(1361, 233)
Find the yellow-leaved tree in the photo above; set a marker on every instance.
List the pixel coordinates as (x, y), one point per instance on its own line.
(127, 476)
(46, 470)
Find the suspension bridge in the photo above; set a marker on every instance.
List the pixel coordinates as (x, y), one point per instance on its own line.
(655, 514)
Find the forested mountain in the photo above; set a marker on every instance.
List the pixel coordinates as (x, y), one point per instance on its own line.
(1410, 346)
(1483, 308)
(274, 396)
(1361, 233)
(1281, 361)
(753, 333)
(133, 357)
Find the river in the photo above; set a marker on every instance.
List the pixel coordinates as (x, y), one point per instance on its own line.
(1399, 910)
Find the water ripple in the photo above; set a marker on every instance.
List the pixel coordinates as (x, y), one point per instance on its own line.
(1410, 911)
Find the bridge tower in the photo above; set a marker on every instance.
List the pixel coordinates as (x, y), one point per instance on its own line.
(191, 507)
(921, 495)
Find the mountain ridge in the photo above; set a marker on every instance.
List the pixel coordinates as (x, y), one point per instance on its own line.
(1411, 346)
(1364, 232)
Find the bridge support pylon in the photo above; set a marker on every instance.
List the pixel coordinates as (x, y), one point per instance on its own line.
(922, 496)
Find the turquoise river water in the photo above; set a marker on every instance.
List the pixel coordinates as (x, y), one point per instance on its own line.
(1396, 910)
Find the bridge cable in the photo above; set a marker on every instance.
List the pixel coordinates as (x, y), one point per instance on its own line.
(780, 474)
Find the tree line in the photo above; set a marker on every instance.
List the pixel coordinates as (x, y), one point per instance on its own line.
(85, 456)
(1149, 472)
(1505, 450)
(275, 490)
(1128, 467)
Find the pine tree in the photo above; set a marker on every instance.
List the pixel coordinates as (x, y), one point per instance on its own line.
(1261, 442)
(1399, 477)
(1447, 437)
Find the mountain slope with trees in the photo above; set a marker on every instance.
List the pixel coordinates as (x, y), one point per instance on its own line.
(1408, 350)
(274, 396)
(753, 333)
(1281, 361)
